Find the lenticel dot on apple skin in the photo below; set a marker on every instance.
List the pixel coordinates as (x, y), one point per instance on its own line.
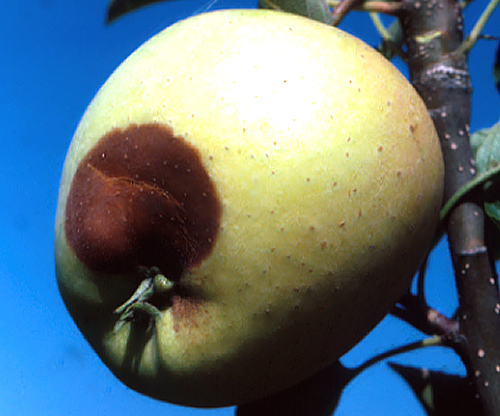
(155, 207)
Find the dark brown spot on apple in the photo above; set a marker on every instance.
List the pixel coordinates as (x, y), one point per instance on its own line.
(142, 197)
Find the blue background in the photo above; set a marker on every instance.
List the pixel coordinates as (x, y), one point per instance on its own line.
(54, 56)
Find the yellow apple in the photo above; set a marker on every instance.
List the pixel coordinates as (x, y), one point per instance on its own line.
(262, 186)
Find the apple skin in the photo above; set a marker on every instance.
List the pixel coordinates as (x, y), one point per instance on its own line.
(323, 175)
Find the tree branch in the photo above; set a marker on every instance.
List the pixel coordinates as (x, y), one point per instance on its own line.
(438, 70)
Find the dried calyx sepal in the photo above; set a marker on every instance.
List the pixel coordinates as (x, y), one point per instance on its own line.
(154, 284)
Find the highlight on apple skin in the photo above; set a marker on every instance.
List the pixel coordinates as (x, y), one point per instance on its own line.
(244, 199)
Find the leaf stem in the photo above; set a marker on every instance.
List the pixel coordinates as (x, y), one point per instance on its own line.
(474, 35)
(379, 25)
(433, 341)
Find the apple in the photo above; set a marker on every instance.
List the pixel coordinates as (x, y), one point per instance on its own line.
(245, 198)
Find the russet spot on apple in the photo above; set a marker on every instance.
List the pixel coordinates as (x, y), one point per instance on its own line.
(244, 199)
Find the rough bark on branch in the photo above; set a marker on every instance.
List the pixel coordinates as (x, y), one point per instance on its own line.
(433, 33)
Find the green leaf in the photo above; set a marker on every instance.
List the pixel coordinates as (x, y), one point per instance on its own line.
(118, 8)
(318, 396)
(486, 149)
(439, 393)
(314, 9)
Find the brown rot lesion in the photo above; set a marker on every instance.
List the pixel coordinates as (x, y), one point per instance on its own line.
(142, 196)
(153, 292)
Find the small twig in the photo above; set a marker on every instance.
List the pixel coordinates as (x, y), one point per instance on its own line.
(474, 35)
(430, 321)
(341, 10)
(342, 7)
